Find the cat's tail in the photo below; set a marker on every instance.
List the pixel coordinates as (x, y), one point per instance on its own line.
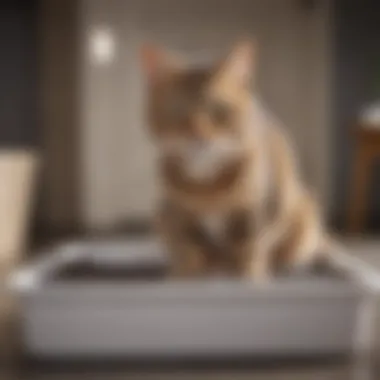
(337, 256)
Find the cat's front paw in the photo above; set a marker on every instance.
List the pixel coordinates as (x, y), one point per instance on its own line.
(258, 272)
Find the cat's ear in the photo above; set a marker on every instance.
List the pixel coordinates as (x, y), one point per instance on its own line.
(239, 65)
(156, 62)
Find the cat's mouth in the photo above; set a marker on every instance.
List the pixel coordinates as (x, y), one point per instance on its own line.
(202, 159)
(205, 160)
(220, 148)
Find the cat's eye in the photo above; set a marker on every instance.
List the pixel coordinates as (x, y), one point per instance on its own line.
(220, 112)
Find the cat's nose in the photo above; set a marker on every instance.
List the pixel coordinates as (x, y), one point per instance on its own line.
(201, 135)
(200, 130)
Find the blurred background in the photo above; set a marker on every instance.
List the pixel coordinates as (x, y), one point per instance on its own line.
(75, 159)
(72, 93)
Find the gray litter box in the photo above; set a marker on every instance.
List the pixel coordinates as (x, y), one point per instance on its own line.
(111, 298)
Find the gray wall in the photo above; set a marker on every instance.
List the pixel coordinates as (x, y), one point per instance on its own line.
(59, 101)
(357, 48)
(18, 74)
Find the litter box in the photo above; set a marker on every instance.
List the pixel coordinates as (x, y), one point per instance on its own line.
(113, 299)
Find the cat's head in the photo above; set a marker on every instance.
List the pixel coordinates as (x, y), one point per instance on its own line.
(199, 115)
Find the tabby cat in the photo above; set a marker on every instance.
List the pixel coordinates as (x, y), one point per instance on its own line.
(232, 200)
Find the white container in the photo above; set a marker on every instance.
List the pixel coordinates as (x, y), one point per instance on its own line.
(300, 316)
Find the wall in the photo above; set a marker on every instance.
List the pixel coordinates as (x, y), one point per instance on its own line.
(59, 99)
(18, 74)
(357, 41)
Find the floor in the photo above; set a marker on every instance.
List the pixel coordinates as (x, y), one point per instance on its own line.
(367, 369)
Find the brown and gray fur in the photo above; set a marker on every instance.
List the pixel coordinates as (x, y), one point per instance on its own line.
(232, 199)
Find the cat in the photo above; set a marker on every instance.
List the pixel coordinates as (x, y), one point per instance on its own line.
(232, 199)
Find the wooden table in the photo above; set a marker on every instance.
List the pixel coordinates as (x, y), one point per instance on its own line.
(367, 149)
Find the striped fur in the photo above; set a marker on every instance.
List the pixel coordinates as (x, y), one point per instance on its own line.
(232, 198)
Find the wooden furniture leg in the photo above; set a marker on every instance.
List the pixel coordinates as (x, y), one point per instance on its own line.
(358, 198)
